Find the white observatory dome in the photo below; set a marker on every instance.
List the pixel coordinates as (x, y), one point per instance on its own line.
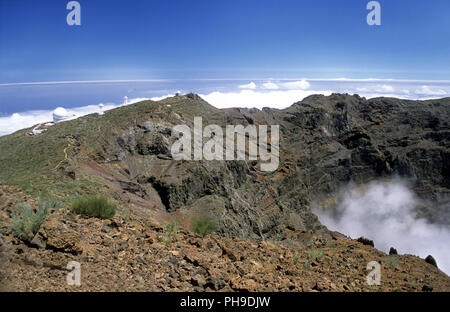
(61, 114)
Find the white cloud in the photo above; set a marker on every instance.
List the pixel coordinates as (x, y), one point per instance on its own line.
(385, 213)
(426, 90)
(135, 100)
(377, 88)
(371, 95)
(296, 85)
(269, 86)
(19, 121)
(250, 85)
(259, 99)
(385, 88)
(291, 85)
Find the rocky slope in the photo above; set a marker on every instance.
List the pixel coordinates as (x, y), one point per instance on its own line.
(131, 255)
(325, 142)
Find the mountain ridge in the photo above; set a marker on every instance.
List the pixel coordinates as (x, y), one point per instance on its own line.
(325, 142)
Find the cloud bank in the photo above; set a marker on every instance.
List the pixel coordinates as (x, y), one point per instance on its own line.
(426, 90)
(269, 86)
(250, 85)
(258, 99)
(258, 94)
(385, 212)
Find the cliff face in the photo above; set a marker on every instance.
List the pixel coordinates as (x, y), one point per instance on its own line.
(360, 140)
(325, 142)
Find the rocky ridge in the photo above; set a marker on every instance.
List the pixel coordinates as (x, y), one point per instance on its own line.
(325, 142)
(131, 255)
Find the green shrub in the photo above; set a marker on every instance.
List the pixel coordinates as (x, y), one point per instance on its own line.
(50, 203)
(27, 222)
(94, 206)
(315, 253)
(203, 225)
(392, 261)
(171, 227)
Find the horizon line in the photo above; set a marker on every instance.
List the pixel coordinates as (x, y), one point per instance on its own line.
(342, 79)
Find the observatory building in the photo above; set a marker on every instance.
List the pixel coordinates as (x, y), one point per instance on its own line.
(100, 108)
(61, 114)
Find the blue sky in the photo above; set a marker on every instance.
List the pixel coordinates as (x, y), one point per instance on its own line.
(145, 39)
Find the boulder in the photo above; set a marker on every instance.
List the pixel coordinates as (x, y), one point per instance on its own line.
(56, 235)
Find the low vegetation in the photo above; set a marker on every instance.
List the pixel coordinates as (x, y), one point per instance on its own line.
(307, 264)
(392, 261)
(203, 225)
(27, 221)
(94, 206)
(125, 214)
(315, 254)
(331, 244)
(170, 228)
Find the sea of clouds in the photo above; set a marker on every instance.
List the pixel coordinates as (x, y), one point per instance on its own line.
(386, 213)
(262, 93)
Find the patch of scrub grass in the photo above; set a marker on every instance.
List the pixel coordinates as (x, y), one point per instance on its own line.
(315, 253)
(171, 227)
(94, 206)
(166, 238)
(27, 221)
(307, 264)
(125, 214)
(392, 261)
(49, 202)
(203, 225)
